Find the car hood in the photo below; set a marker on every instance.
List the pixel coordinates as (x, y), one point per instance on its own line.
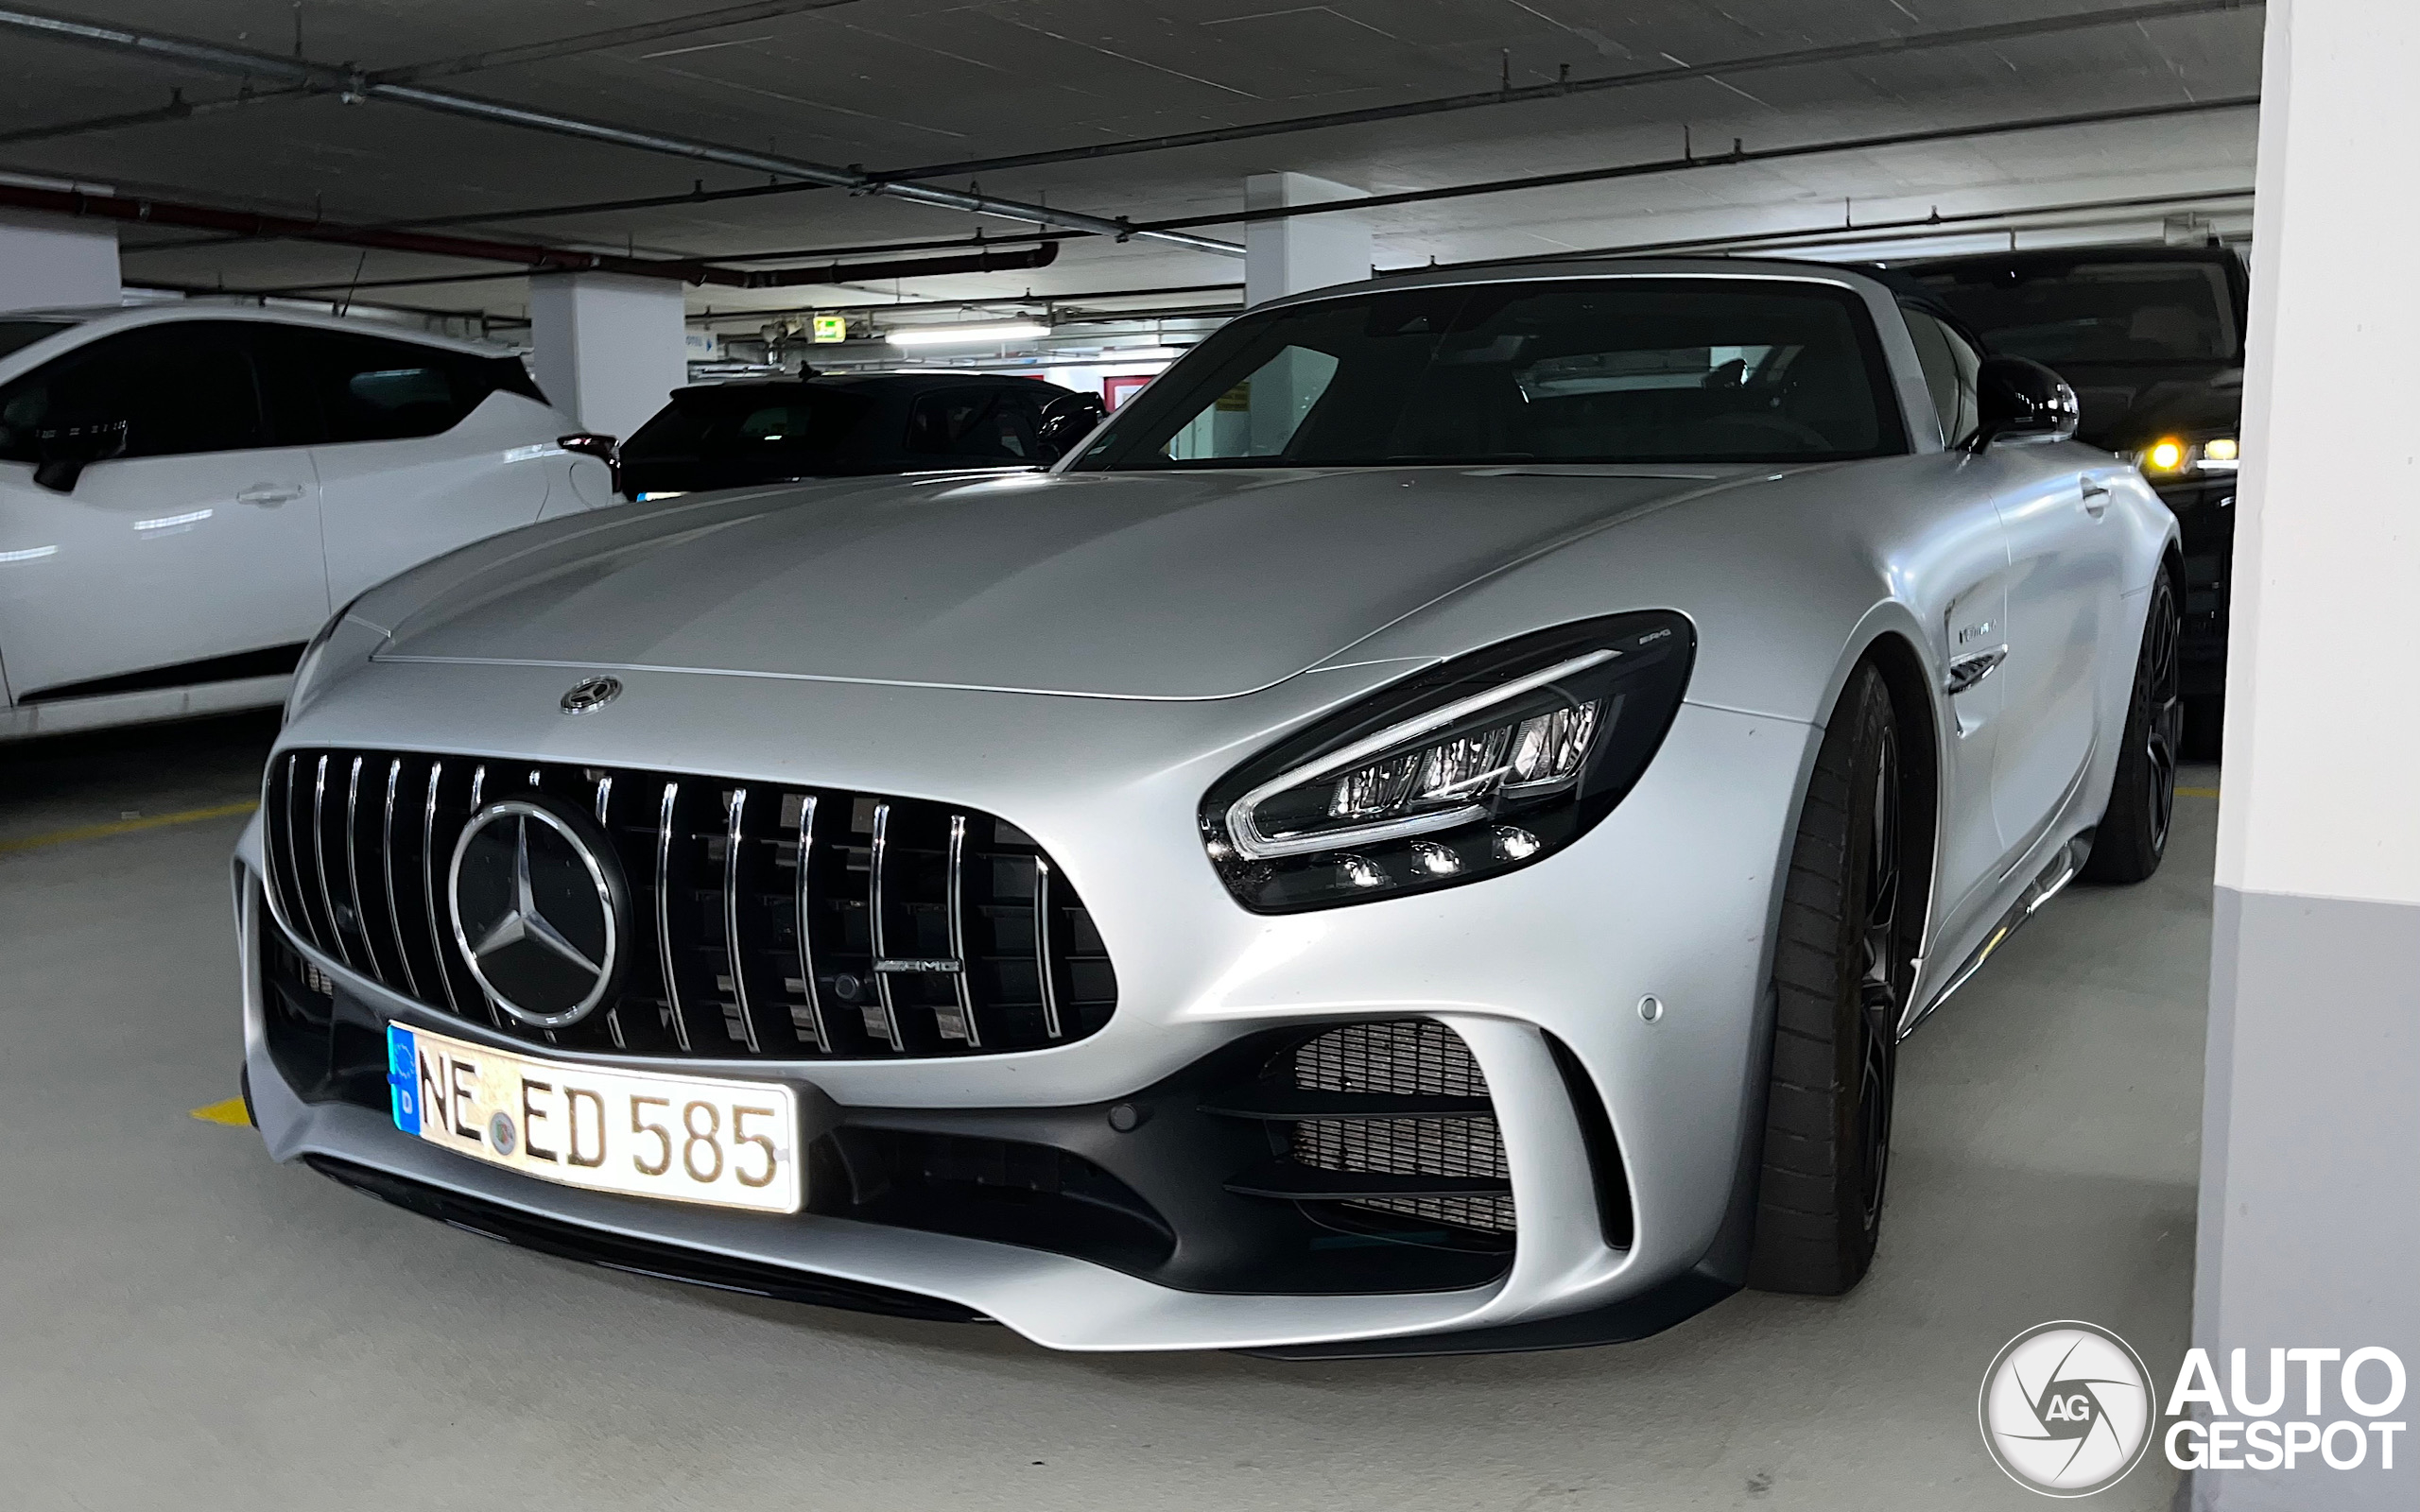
(1180, 585)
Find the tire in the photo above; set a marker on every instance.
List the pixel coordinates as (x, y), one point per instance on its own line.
(2142, 796)
(1841, 974)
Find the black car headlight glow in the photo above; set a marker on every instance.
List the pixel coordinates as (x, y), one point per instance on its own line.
(2175, 456)
(1475, 768)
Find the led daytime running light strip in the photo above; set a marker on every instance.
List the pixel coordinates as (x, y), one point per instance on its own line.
(1244, 833)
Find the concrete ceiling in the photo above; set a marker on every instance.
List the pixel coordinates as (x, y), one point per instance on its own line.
(897, 83)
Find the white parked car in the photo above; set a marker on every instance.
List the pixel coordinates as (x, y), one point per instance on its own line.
(186, 492)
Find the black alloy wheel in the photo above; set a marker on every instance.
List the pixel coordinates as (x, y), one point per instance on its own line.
(1843, 971)
(2142, 796)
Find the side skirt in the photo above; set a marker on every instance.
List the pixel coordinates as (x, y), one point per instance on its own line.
(2047, 883)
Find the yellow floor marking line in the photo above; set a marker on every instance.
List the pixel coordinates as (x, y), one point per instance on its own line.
(2197, 792)
(230, 1113)
(102, 832)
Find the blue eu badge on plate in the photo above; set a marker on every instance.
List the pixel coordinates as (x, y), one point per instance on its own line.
(401, 1082)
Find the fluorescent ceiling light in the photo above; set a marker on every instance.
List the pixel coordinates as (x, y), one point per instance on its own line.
(966, 336)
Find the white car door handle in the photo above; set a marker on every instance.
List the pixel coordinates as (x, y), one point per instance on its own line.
(2096, 498)
(270, 494)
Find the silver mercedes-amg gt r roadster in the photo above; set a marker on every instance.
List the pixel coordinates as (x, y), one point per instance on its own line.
(1422, 832)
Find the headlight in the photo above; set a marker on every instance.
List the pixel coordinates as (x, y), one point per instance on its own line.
(2174, 456)
(1479, 767)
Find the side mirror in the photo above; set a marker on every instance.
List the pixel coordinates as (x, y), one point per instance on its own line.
(591, 443)
(66, 451)
(2021, 401)
(1069, 419)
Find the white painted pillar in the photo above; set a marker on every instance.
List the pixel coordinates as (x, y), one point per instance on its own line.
(2309, 1229)
(607, 348)
(54, 261)
(1284, 257)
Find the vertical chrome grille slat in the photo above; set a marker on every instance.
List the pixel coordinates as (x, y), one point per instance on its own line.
(438, 938)
(968, 1030)
(479, 788)
(353, 872)
(888, 1027)
(320, 859)
(298, 906)
(605, 822)
(1050, 1024)
(803, 891)
(664, 917)
(387, 870)
(731, 857)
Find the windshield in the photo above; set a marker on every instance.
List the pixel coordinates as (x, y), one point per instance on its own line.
(18, 335)
(2097, 311)
(1613, 371)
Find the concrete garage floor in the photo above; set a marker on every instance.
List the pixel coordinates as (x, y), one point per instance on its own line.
(184, 1324)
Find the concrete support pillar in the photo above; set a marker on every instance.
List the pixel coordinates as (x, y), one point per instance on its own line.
(51, 262)
(608, 348)
(1284, 257)
(2309, 1229)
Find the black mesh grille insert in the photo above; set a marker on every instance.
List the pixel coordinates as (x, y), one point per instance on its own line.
(1412, 1057)
(761, 920)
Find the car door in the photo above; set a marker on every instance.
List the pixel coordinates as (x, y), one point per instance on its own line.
(426, 449)
(971, 427)
(191, 557)
(2061, 595)
(2064, 611)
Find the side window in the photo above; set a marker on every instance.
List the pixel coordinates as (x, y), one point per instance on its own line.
(976, 424)
(1951, 365)
(179, 388)
(374, 389)
(1259, 414)
(1022, 405)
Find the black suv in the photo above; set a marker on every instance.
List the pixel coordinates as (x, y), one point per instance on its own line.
(755, 430)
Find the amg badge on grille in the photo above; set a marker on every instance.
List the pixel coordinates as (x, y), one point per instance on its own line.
(538, 912)
(590, 694)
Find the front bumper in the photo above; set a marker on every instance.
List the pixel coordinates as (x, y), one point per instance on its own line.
(1537, 972)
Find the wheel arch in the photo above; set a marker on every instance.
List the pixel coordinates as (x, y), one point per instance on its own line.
(1922, 732)
(1890, 639)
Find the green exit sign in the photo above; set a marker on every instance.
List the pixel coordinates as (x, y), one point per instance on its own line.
(831, 328)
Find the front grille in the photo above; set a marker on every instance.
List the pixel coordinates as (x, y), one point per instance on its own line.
(763, 919)
(1411, 1058)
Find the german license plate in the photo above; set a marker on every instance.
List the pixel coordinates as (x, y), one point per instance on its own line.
(683, 1138)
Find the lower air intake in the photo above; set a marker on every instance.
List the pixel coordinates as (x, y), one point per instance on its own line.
(1411, 1059)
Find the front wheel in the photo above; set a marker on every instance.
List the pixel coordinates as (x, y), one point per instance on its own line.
(2142, 797)
(1841, 974)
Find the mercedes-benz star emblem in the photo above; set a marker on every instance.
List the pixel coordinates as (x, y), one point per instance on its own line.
(590, 694)
(537, 911)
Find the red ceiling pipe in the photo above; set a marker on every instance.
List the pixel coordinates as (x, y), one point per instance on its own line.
(537, 259)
